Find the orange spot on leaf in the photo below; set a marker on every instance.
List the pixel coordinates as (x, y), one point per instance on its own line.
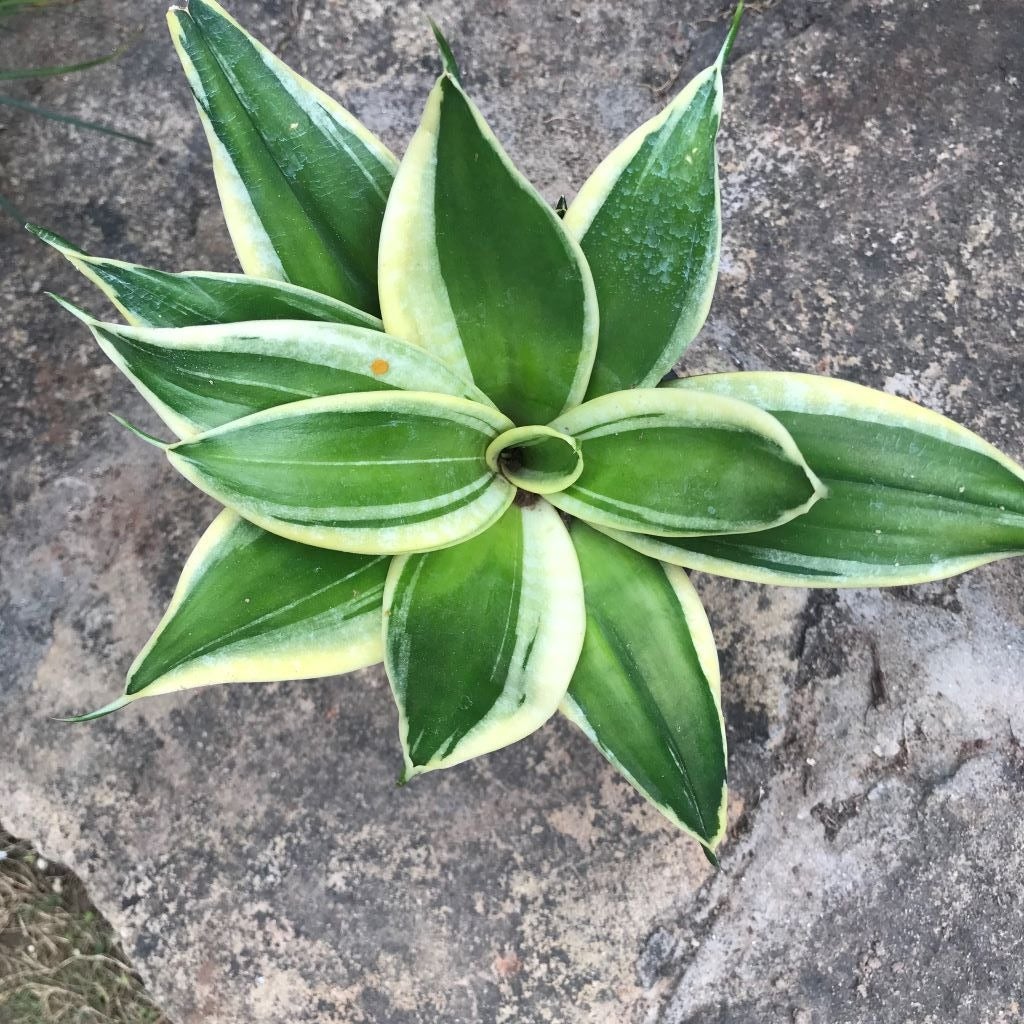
(380, 366)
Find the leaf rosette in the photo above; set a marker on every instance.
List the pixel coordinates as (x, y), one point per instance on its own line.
(432, 409)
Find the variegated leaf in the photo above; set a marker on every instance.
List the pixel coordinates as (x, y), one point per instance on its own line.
(660, 462)
(481, 639)
(302, 182)
(912, 496)
(252, 607)
(649, 222)
(646, 689)
(537, 459)
(379, 473)
(476, 268)
(197, 378)
(153, 298)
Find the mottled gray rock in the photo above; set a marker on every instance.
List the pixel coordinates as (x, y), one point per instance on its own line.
(249, 843)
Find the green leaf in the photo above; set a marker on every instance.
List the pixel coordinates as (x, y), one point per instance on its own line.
(302, 182)
(538, 459)
(379, 473)
(153, 298)
(12, 7)
(912, 496)
(649, 222)
(451, 65)
(476, 268)
(252, 607)
(197, 378)
(481, 639)
(646, 689)
(665, 463)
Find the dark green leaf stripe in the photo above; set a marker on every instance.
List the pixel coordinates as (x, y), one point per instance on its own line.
(197, 378)
(380, 472)
(482, 638)
(475, 267)
(646, 689)
(153, 298)
(649, 223)
(252, 607)
(912, 496)
(303, 184)
(660, 462)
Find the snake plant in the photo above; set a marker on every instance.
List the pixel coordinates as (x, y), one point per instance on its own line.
(435, 413)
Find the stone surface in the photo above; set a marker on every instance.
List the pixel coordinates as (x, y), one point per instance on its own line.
(249, 843)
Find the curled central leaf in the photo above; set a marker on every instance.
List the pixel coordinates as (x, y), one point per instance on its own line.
(537, 459)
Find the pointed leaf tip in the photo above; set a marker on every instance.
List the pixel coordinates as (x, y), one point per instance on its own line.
(253, 607)
(646, 688)
(476, 267)
(91, 716)
(451, 65)
(734, 27)
(61, 244)
(37, 230)
(148, 438)
(515, 590)
(711, 857)
(74, 310)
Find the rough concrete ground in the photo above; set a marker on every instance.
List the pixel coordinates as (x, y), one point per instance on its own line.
(249, 843)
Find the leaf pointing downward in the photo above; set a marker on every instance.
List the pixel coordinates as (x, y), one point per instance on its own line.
(646, 690)
(482, 638)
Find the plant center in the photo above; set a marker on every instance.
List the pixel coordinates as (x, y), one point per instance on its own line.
(536, 459)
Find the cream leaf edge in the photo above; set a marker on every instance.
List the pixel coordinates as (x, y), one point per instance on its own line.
(624, 411)
(86, 264)
(800, 392)
(449, 528)
(252, 243)
(409, 275)
(334, 346)
(358, 645)
(596, 189)
(699, 629)
(551, 615)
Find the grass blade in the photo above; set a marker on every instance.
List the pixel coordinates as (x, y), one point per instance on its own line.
(17, 74)
(76, 122)
(10, 209)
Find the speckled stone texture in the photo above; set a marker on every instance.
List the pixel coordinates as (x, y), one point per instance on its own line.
(249, 842)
